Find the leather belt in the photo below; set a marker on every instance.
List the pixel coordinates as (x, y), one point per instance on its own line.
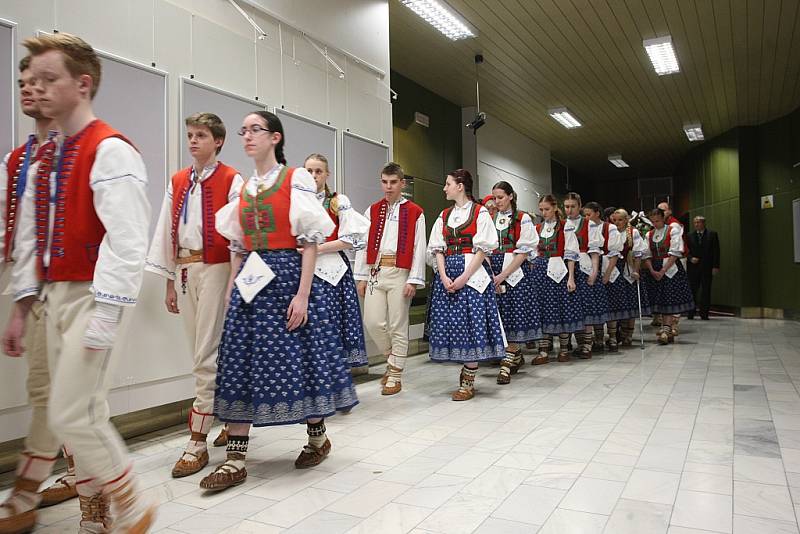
(388, 261)
(187, 255)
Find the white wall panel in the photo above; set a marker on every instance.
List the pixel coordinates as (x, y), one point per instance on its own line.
(223, 59)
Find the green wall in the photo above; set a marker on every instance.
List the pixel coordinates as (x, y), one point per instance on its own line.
(724, 180)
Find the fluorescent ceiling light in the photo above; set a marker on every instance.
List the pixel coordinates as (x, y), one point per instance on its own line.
(662, 55)
(565, 118)
(441, 17)
(694, 132)
(617, 161)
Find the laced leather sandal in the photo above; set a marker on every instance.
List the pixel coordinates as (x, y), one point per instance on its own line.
(95, 514)
(17, 521)
(224, 476)
(59, 491)
(311, 455)
(189, 463)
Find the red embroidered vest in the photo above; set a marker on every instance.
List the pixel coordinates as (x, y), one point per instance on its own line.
(265, 216)
(582, 234)
(214, 195)
(553, 246)
(628, 244)
(77, 230)
(671, 219)
(18, 161)
(459, 239)
(605, 232)
(508, 237)
(406, 231)
(333, 212)
(660, 250)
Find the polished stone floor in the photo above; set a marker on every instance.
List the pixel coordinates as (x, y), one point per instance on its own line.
(700, 436)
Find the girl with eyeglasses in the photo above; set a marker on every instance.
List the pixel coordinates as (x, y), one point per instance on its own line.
(280, 361)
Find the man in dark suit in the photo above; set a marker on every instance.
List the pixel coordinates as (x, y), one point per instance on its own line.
(703, 263)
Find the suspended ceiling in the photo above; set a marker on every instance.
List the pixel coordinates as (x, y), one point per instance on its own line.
(739, 60)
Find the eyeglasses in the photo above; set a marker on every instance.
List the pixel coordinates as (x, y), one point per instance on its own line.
(253, 130)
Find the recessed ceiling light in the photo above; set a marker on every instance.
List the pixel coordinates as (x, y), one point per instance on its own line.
(565, 118)
(440, 16)
(617, 161)
(662, 55)
(694, 132)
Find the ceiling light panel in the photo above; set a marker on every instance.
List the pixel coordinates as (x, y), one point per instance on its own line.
(662, 55)
(617, 161)
(694, 132)
(440, 16)
(565, 118)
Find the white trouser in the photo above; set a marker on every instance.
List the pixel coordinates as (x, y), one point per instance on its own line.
(202, 309)
(78, 411)
(386, 311)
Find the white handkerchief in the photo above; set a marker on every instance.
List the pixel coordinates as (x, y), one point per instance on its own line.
(614, 272)
(480, 279)
(672, 271)
(627, 275)
(330, 268)
(254, 276)
(556, 269)
(517, 275)
(586, 263)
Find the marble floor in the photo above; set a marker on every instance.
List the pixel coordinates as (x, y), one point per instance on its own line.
(700, 436)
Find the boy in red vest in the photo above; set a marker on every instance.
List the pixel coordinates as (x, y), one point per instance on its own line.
(189, 253)
(82, 240)
(393, 266)
(34, 463)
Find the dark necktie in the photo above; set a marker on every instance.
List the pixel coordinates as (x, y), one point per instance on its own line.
(700, 238)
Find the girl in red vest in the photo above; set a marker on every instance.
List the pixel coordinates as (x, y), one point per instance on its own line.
(280, 361)
(554, 282)
(666, 279)
(623, 297)
(517, 238)
(463, 321)
(333, 267)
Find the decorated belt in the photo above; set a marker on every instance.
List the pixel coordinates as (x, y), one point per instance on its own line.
(186, 255)
(388, 261)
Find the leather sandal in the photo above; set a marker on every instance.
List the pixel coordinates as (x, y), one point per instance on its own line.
(224, 476)
(222, 439)
(189, 463)
(311, 455)
(59, 491)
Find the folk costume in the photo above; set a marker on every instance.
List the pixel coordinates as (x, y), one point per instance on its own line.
(464, 326)
(561, 310)
(334, 269)
(519, 312)
(605, 241)
(394, 256)
(82, 240)
(187, 248)
(268, 375)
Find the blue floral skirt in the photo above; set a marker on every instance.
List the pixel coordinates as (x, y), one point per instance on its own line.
(345, 315)
(623, 297)
(669, 295)
(267, 375)
(561, 311)
(518, 309)
(594, 297)
(463, 326)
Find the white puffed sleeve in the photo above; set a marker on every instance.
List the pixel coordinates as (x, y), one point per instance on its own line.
(640, 248)
(353, 227)
(161, 257)
(309, 220)
(416, 276)
(646, 253)
(227, 221)
(596, 240)
(572, 249)
(486, 237)
(675, 241)
(24, 280)
(361, 270)
(528, 238)
(436, 241)
(616, 241)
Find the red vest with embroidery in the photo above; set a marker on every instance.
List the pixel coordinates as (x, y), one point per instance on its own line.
(582, 234)
(508, 237)
(605, 231)
(265, 216)
(214, 195)
(459, 239)
(553, 246)
(77, 230)
(333, 212)
(16, 162)
(628, 244)
(406, 231)
(671, 219)
(660, 250)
